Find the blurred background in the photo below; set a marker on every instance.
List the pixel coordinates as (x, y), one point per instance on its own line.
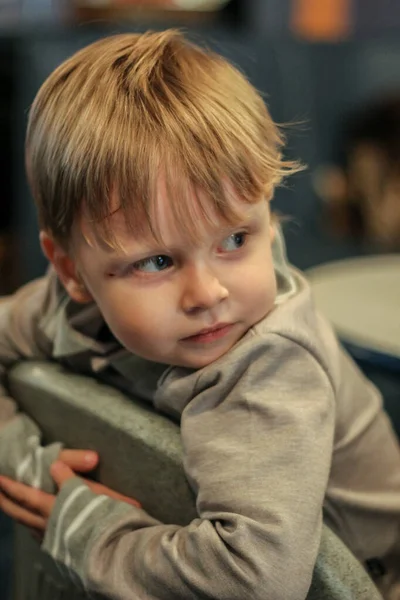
(329, 69)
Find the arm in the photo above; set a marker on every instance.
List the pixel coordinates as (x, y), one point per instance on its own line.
(21, 455)
(258, 458)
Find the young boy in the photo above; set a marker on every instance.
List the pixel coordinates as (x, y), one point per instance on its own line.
(152, 163)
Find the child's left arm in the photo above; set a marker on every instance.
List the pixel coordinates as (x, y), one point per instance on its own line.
(258, 442)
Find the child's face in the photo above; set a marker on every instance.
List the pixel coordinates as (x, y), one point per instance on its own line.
(159, 299)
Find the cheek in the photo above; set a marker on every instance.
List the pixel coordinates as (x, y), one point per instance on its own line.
(262, 290)
(134, 317)
(255, 292)
(258, 275)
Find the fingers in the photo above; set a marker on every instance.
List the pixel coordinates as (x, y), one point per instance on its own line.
(61, 472)
(79, 460)
(21, 514)
(99, 488)
(25, 498)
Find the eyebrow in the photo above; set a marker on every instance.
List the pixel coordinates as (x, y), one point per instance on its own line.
(155, 247)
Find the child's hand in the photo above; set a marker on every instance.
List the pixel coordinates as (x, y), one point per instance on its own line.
(61, 473)
(81, 461)
(32, 507)
(21, 502)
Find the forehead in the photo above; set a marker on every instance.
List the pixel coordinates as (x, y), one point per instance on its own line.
(197, 219)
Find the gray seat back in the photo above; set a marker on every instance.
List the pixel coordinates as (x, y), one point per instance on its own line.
(141, 456)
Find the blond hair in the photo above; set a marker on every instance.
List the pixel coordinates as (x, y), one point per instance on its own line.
(128, 108)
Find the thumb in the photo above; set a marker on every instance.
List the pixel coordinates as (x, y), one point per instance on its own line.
(79, 460)
(61, 473)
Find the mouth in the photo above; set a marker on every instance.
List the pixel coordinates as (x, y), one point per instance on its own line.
(210, 334)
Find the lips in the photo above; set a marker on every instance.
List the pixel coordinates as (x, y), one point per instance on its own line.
(210, 333)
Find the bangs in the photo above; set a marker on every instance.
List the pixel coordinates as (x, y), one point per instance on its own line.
(197, 198)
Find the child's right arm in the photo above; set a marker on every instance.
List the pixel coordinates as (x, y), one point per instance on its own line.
(21, 455)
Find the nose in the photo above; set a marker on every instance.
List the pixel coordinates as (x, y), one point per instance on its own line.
(202, 290)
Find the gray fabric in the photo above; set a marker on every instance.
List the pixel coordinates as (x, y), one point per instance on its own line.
(337, 573)
(106, 418)
(34, 460)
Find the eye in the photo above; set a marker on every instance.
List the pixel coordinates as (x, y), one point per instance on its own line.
(234, 241)
(153, 264)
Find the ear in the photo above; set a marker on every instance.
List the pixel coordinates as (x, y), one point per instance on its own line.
(65, 268)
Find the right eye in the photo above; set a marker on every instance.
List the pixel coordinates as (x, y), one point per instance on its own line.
(153, 264)
(234, 241)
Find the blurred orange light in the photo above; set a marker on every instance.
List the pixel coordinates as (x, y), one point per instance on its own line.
(321, 19)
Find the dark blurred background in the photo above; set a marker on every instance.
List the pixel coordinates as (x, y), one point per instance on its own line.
(318, 63)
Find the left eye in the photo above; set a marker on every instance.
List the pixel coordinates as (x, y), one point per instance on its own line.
(153, 264)
(234, 241)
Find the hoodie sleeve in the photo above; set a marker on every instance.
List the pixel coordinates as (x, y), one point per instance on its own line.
(257, 442)
(22, 457)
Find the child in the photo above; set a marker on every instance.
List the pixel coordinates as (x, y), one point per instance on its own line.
(152, 163)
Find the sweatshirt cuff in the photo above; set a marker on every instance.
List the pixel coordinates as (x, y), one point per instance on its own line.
(78, 517)
(23, 458)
